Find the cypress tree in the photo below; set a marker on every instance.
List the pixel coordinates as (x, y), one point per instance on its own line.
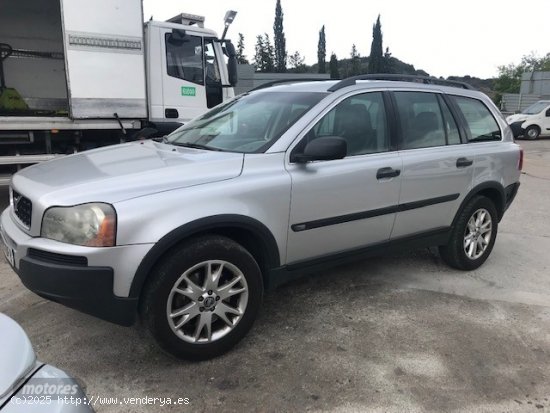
(334, 72)
(280, 41)
(322, 51)
(376, 60)
(355, 68)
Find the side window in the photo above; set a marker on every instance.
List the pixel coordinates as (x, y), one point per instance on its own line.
(548, 113)
(480, 122)
(421, 120)
(360, 120)
(184, 58)
(212, 68)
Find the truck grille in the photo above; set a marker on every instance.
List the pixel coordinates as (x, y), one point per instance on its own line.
(22, 206)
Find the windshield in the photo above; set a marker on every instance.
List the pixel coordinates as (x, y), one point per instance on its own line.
(248, 123)
(535, 108)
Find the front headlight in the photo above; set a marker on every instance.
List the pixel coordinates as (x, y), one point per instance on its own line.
(91, 225)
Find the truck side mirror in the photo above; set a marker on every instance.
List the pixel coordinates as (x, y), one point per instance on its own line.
(231, 62)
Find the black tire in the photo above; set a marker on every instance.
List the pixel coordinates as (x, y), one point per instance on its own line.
(532, 132)
(454, 253)
(153, 306)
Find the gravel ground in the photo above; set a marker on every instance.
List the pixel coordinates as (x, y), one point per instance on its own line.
(390, 334)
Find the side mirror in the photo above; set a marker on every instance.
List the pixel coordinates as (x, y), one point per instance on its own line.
(326, 148)
(231, 62)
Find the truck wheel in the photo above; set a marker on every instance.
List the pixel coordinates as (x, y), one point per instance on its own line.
(202, 298)
(473, 236)
(532, 132)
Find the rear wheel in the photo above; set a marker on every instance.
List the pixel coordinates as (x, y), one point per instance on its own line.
(473, 235)
(203, 298)
(532, 132)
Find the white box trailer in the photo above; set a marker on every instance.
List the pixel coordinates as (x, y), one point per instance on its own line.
(78, 74)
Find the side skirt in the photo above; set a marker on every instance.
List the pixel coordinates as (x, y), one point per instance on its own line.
(286, 273)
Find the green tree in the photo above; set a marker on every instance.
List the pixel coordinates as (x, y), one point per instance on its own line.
(355, 64)
(296, 63)
(269, 55)
(334, 72)
(259, 54)
(241, 58)
(388, 62)
(264, 54)
(509, 76)
(376, 60)
(280, 41)
(322, 51)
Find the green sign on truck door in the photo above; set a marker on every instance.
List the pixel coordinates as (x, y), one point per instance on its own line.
(188, 91)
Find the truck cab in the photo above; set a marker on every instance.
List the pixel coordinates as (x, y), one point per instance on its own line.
(76, 75)
(185, 69)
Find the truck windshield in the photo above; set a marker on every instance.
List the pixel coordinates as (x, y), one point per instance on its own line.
(535, 108)
(250, 123)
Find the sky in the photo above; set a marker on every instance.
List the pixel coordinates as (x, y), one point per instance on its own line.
(466, 37)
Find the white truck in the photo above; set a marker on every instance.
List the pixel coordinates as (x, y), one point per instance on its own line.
(78, 74)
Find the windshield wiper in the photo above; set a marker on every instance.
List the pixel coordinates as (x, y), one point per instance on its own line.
(195, 146)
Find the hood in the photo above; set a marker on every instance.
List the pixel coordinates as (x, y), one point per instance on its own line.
(17, 357)
(121, 172)
(516, 118)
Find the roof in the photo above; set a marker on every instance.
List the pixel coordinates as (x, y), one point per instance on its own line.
(323, 86)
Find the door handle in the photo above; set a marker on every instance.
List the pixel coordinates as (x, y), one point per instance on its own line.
(463, 162)
(387, 173)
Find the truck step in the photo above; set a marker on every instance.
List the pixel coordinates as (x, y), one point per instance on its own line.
(27, 159)
(5, 180)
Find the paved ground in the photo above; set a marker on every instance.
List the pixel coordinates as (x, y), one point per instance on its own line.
(398, 333)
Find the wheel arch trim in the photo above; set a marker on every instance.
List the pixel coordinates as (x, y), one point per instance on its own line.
(270, 246)
(476, 190)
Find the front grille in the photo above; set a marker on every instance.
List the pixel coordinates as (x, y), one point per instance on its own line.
(22, 206)
(55, 258)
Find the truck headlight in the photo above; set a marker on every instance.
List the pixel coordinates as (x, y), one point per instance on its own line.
(91, 225)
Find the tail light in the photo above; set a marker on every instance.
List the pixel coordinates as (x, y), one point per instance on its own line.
(520, 161)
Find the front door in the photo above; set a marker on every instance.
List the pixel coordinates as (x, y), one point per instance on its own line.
(348, 203)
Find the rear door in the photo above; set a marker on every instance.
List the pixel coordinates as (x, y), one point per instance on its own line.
(437, 167)
(103, 42)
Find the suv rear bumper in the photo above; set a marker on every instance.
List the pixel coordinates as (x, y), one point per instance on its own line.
(87, 289)
(510, 193)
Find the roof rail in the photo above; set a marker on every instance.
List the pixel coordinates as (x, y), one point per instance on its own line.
(403, 78)
(278, 81)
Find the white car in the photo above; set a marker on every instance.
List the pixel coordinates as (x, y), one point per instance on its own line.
(532, 122)
(29, 386)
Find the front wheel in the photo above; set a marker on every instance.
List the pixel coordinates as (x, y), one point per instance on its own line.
(473, 236)
(202, 298)
(532, 132)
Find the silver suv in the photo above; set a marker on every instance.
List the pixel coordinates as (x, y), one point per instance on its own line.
(188, 231)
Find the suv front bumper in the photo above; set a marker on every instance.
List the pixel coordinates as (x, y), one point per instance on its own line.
(87, 289)
(83, 278)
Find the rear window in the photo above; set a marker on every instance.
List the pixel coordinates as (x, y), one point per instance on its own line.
(480, 122)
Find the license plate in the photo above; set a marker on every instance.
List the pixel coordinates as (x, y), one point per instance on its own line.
(9, 253)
